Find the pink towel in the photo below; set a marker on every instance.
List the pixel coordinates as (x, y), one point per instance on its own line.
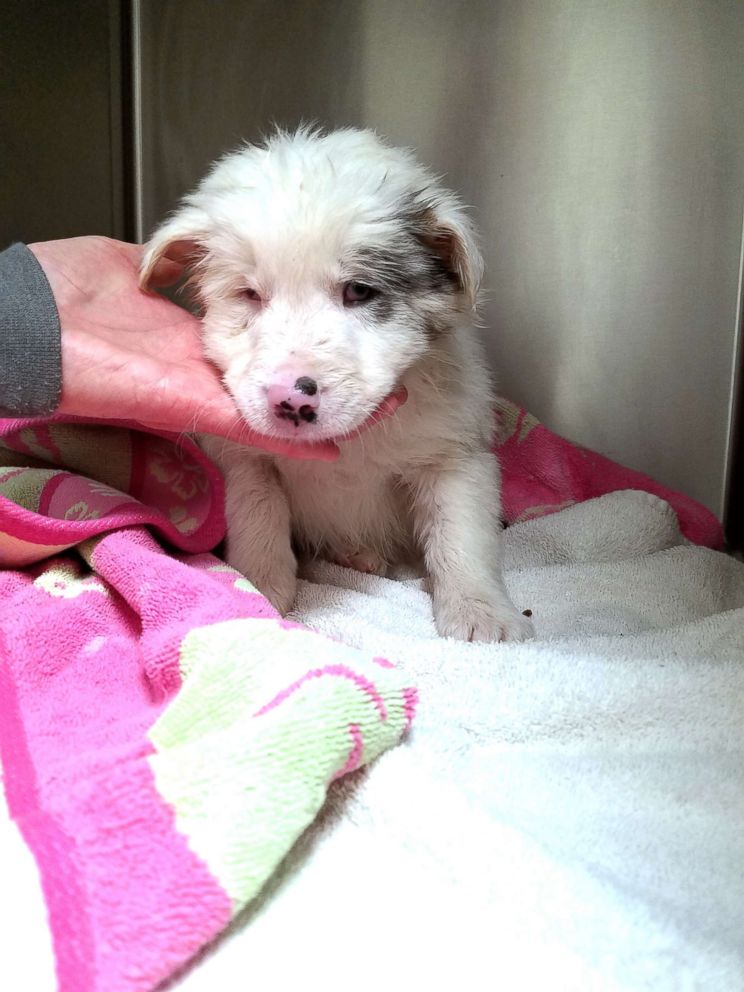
(542, 473)
(164, 736)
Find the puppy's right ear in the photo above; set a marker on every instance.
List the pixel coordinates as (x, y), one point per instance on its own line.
(175, 247)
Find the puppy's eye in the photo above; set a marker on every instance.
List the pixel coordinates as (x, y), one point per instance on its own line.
(358, 292)
(252, 295)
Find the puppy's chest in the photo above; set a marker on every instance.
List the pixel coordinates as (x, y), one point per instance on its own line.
(344, 508)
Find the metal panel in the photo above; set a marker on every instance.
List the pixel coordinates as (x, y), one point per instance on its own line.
(600, 144)
(61, 151)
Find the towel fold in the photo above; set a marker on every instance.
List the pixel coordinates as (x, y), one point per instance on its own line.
(165, 736)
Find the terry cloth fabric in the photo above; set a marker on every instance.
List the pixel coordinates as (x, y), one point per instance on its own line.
(566, 813)
(165, 736)
(163, 742)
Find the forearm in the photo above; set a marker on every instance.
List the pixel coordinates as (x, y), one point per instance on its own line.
(30, 354)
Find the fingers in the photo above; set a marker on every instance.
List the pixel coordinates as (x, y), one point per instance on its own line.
(386, 409)
(223, 420)
(326, 451)
(323, 451)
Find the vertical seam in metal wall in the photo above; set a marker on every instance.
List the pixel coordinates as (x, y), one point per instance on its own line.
(139, 221)
(116, 151)
(737, 383)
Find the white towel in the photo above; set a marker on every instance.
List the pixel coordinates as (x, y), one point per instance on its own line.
(567, 813)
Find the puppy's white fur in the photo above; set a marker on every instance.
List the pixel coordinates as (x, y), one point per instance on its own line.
(275, 233)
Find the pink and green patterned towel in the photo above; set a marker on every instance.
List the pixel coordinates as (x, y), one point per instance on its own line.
(165, 736)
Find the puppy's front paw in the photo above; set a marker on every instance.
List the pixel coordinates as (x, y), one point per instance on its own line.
(279, 588)
(362, 561)
(486, 617)
(277, 582)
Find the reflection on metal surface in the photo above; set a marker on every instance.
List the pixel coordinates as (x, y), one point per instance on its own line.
(136, 119)
(599, 144)
(60, 120)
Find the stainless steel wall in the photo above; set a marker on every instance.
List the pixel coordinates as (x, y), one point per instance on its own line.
(62, 160)
(600, 142)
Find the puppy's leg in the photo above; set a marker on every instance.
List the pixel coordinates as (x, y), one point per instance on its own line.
(456, 515)
(258, 540)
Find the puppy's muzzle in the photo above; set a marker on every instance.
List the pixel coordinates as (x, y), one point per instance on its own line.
(294, 397)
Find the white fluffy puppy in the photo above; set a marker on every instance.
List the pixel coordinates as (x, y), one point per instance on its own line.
(332, 270)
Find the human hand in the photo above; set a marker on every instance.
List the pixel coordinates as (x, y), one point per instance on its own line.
(130, 355)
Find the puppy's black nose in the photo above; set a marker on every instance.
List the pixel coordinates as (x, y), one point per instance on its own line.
(293, 398)
(306, 385)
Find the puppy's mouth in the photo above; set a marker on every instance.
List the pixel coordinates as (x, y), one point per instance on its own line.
(303, 423)
(382, 411)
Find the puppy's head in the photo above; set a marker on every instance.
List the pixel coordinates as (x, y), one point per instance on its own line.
(326, 267)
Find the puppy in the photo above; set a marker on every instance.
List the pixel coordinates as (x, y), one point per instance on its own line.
(333, 270)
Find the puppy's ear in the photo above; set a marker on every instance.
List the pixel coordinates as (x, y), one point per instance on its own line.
(448, 233)
(175, 247)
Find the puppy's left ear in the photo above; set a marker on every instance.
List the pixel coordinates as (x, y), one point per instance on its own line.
(447, 232)
(174, 247)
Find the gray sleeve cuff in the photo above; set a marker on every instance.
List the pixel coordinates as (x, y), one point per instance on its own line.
(30, 349)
